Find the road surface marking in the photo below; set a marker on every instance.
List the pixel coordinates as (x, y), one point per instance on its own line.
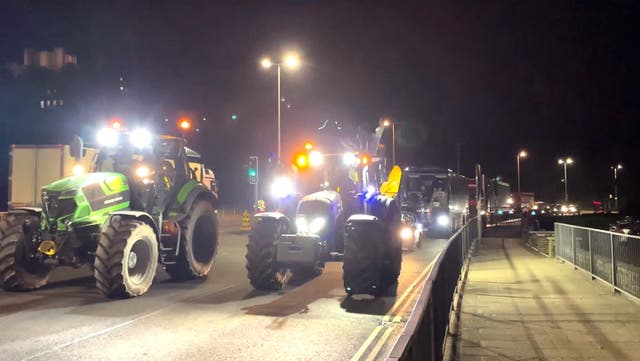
(366, 343)
(388, 318)
(109, 329)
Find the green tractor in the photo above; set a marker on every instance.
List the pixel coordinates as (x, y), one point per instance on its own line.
(141, 205)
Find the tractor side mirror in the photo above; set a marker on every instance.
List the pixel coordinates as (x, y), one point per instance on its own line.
(76, 148)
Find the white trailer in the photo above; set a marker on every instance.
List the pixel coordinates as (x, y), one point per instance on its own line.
(32, 167)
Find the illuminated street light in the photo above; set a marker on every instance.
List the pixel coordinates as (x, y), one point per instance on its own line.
(289, 60)
(615, 169)
(184, 124)
(564, 163)
(522, 154)
(386, 123)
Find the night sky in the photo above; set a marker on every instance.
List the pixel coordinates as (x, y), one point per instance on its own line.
(554, 79)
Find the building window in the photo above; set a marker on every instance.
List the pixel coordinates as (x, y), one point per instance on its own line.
(42, 104)
(48, 103)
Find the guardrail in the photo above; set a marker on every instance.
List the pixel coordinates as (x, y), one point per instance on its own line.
(425, 332)
(613, 258)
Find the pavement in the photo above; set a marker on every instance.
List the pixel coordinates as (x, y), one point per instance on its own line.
(520, 305)
(220, 317)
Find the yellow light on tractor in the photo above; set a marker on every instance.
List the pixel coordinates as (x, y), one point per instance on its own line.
(301, 161)
(78, 169)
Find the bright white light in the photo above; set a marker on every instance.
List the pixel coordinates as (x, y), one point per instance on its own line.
(564, 209)
(292, 60)
(371, 190)
(140, 138)
(349, 159)
(569, 161)
(509, 200)
(315, 158)
(78, 169)
(406, 233)
(281, 187)
(143, 171)
(443, 220)
(266, 63)
(107, 137)
(316, 225)
(301, 225)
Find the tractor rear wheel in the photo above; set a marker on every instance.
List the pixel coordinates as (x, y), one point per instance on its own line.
(18, 272)
(263, 270)
(198, 244)
(126, 258)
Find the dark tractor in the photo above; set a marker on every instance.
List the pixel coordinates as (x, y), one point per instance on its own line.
(140, 205)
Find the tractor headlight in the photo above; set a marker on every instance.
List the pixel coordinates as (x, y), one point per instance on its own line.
(282, 187)
(301, 225)
(406, 233)
(107, 137)
(316, 225)
(78, 169)
(443, 220)
(143, 171)
(140, 138)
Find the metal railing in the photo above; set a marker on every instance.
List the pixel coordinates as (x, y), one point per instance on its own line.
(611, 257)
(425, 332)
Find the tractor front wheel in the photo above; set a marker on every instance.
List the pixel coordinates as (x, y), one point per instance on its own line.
(199, 243)
(19, 272)
(126, 258)
(263, 270)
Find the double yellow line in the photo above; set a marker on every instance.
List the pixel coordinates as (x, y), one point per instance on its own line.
(392, 317)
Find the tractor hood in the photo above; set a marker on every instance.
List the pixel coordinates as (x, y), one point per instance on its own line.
(110, 181)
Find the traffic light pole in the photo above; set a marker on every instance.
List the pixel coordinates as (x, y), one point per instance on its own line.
(254, 178)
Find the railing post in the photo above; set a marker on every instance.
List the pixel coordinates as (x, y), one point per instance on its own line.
(613, 263)
(573, 248)
(590, 255)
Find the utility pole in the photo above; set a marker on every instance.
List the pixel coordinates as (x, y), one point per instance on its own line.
(458, 144)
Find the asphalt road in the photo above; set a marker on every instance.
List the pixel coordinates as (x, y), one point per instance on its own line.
(217, 318)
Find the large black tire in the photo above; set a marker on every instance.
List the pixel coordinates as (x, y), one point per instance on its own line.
(199, 243)
(263, 271)
(17, 272)
(126, 258)
(361, 261)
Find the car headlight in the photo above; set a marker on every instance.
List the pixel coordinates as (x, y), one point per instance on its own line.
(406, 233)
(107, 137)
(140, 138)
(443, 220)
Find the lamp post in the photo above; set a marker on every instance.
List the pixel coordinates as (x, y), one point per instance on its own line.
(564, 163)
(616, 168)
(521, 154)
(291, 61)
(391, 123)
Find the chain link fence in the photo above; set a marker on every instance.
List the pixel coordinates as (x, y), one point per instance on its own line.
(611, 257)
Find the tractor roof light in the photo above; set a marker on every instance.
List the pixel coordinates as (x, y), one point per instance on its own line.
(349, 159)
(315, 158)
(140, 138)
(301, 161)
(78, 169)
(282, 187)
(108, 137)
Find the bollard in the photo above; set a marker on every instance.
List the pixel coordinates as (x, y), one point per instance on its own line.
(246, 221)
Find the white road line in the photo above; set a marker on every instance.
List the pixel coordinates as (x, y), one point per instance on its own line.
(109, 329)
(381, 342)
(366, 344)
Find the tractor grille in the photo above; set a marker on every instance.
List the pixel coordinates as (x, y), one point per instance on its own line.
(54, 207)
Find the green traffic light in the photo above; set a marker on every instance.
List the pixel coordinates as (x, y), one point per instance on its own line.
(234, 117)
(252, 172)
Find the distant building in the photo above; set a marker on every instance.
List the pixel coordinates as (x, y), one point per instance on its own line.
(53, 60)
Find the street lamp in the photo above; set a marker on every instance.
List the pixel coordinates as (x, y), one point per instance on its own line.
(291, 61)
(387, 123)
(564, 163)
(522, 154)
(616, 168)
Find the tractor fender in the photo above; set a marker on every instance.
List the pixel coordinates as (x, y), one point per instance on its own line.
(143, 216)
(192, 191)
(36, 211)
